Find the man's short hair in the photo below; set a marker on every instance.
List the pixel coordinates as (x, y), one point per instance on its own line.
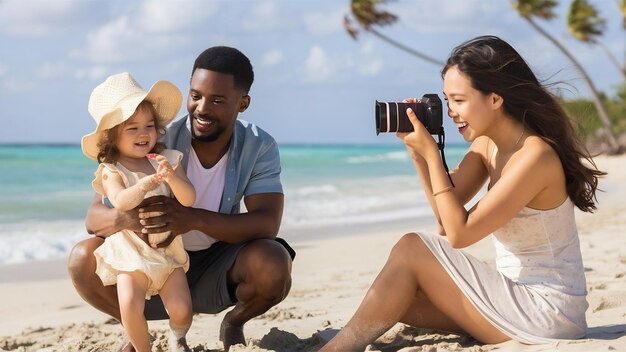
(227, 60)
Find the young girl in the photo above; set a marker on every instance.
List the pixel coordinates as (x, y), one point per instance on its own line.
(525, 147)
(125, 145)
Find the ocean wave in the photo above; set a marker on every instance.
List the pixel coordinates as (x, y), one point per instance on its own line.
(38, 240)
(377, 158)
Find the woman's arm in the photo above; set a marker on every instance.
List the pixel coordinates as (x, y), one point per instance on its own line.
(528, 173)
(533, 169)
(468, 177)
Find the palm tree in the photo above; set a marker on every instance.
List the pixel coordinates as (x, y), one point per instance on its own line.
(367, 15)
(529, 9)
(585, 24)
(622, 7)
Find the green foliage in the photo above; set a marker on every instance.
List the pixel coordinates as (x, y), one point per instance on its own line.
(367, 13)
(584, 113)
(535, 8)
(584, 22)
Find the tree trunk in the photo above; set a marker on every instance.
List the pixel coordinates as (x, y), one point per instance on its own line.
(407, 49)
(608, 52)
(600, 107)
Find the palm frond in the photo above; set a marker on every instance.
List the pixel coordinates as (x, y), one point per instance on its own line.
(366, 12)
(584, 21)
(535, 8)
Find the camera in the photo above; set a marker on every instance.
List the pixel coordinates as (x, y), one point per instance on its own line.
(392, 117)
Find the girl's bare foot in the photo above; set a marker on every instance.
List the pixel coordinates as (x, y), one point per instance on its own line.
(177, 344)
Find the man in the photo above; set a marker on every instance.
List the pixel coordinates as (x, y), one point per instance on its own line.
(235, 258)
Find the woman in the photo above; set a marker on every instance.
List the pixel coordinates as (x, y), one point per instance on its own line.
(524, 145)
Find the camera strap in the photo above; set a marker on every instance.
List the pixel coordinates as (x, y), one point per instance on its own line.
(441, 136)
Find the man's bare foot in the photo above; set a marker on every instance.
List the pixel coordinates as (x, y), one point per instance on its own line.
(231, 335)
(177, 345)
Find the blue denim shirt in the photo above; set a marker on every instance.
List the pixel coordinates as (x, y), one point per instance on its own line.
(253, 164)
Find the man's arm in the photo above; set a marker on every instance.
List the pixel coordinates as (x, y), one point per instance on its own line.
(103, 221)
(262, 219)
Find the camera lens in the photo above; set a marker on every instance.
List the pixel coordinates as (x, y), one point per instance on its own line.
(392, 117)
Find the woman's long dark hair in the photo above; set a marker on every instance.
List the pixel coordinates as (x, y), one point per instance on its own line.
(493, 66)
(108, 140)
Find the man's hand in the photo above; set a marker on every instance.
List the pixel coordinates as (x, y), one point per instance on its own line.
(129, 220)
(160, 214)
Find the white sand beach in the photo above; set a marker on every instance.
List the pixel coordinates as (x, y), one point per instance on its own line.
(40, 310)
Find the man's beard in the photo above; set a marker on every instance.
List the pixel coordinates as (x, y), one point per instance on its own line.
(206, 138)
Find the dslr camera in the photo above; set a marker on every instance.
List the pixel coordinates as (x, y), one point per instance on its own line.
(392, 117)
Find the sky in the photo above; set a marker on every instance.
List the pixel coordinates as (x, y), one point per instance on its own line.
(313, 82)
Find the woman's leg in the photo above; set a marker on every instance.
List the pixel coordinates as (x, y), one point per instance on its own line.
(131, 292)
(177, 302)
(394, 296)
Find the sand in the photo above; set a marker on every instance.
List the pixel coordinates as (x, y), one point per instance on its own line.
(41, 311)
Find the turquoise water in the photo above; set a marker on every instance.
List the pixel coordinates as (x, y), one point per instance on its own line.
(46, 189)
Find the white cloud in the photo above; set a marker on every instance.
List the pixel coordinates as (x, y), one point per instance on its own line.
(49, 70)
(16, 84)
(92, 73)
(368, 47)
(317, 66)
(450, 15)
(4, 69)
(153, 30)
(265, 16)
(272, 58)
(40, 17)
(325, 22)
(320, 67)
(120, 41)
(371, 68)
(166, 16)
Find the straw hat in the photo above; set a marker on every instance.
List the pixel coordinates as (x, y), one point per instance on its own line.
(116, 100)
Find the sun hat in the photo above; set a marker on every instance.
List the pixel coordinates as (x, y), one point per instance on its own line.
(116, 99)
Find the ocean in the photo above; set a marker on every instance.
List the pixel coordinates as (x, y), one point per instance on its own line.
(329, 190)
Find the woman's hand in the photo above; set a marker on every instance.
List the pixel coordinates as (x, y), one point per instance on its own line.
(419, 143)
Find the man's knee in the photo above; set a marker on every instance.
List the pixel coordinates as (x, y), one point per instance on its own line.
(81, 261)
(270, 266)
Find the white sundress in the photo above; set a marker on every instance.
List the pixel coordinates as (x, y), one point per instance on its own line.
(125, 252)
(538, 292)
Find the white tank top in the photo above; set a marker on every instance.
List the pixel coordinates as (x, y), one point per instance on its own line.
(209, 185)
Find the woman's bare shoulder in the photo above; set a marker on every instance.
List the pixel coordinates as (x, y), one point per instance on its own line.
(535, 147)
(481, 145)
(540, 157)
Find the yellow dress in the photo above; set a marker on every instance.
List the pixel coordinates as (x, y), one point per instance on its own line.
(125, 252)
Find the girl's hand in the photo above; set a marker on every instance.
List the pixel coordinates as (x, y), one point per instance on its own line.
(419, 142)
(165, 171)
